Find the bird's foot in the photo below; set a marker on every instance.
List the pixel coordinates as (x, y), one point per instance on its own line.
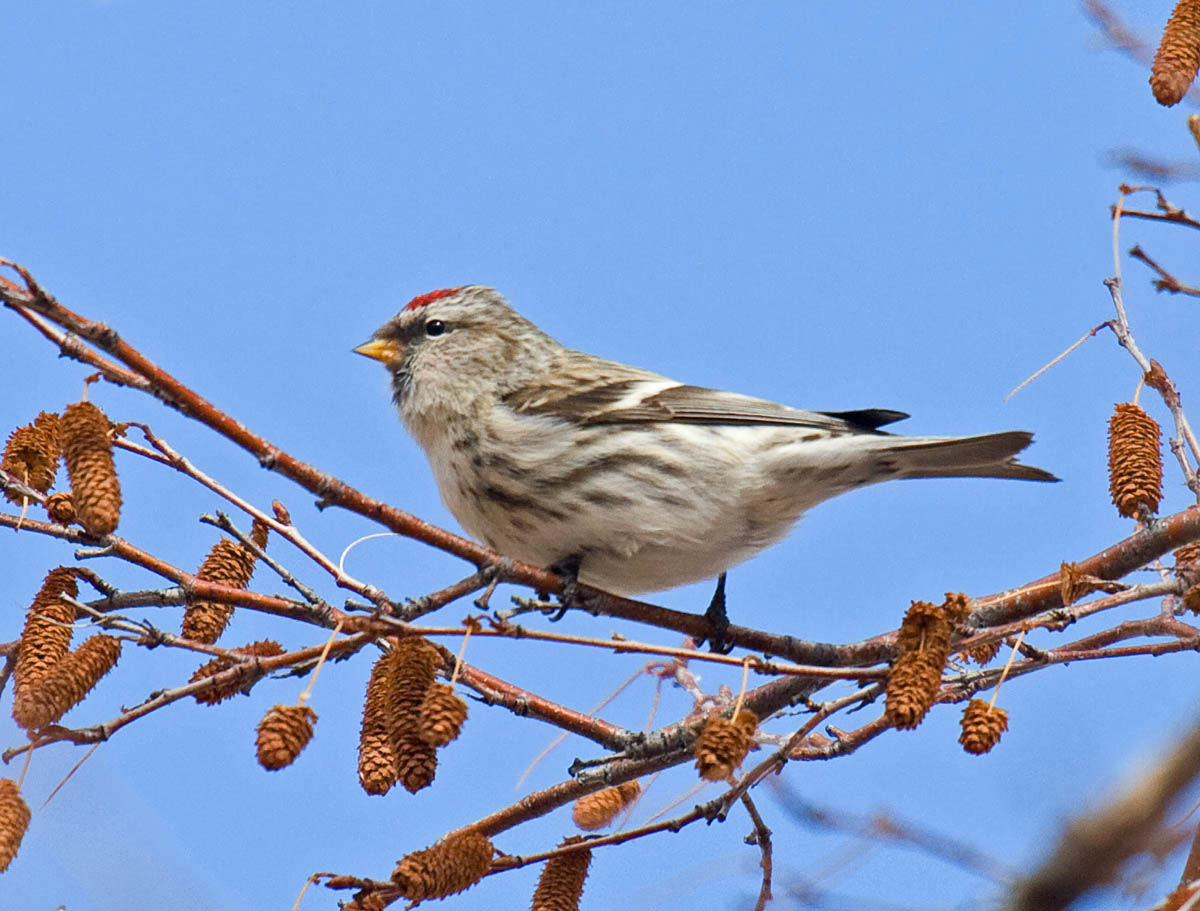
(568, 570)
(718, 622)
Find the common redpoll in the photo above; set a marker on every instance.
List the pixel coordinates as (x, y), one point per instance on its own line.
(553, 456)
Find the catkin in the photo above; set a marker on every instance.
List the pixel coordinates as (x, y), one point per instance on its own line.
(66, 685)
(723, 744)
(1178, 55)
(560, 885)
(31, 454)
(390, 747)
(441, 715)
(377, 763)
(416, 762)
(45, 642)
(284, 731)
(1134, 461)
(247, 674)
(451, 866)
(14, 820)
(595, 811)
(982, 725)
(87, 449)
(229, 563)
(923, 648)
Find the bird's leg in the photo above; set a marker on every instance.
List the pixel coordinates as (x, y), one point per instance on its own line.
(718, 621)
(568, 569)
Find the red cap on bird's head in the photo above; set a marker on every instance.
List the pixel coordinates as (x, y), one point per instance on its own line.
(429, 297)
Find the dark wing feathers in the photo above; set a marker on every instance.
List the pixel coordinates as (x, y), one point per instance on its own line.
(868, 418)
(696, 405)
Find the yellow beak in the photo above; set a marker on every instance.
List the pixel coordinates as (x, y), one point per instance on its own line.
(380, 350)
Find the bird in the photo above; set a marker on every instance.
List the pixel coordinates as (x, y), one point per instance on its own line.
(630, 480)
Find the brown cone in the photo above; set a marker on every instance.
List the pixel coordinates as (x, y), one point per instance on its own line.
(982, 726)
(66, 685)
(14, 820)
(1134, 461)
(451, 866)
(595, 811)
(267, 648)
(724, 743)
(560, 886)
(31, 454)
(390, 748)
(61, 507)
(441, 715)
(1178, 55)
(87, 448)
(232, 564)
(416, 762)
(923, 648)
(284, 731)
(377, 765)
(45, 642)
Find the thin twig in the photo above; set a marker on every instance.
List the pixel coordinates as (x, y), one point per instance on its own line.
(761, 836)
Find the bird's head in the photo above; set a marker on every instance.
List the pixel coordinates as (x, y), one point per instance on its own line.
(449, 348)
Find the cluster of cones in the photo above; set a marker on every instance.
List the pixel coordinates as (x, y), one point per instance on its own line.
(82, 437)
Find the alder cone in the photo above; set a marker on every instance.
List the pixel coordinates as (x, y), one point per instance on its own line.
(390, 747)
(442, 714)
(47, 636)
(14, 820)
(724, 743)
(284, 731)
(45, 643)
(68, 683)
(982, 725)
(61, 508)
(416, 664)
(31, 454)
(50, 424)
(595, 811)
(265, 648)
(1134, 461)
(87, 449)
(378, 769)
(560, 885)
(230, 563)
(923, 648)
(416, 762)
(1178, 55)
(451, 866)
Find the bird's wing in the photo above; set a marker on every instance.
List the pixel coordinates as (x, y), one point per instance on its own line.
(654, 399)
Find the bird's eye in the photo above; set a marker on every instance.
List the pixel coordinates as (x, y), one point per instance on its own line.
(435, 327)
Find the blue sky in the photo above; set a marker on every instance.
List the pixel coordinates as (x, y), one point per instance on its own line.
(830, 206)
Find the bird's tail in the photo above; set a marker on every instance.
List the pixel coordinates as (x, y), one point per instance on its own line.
(993, 455)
